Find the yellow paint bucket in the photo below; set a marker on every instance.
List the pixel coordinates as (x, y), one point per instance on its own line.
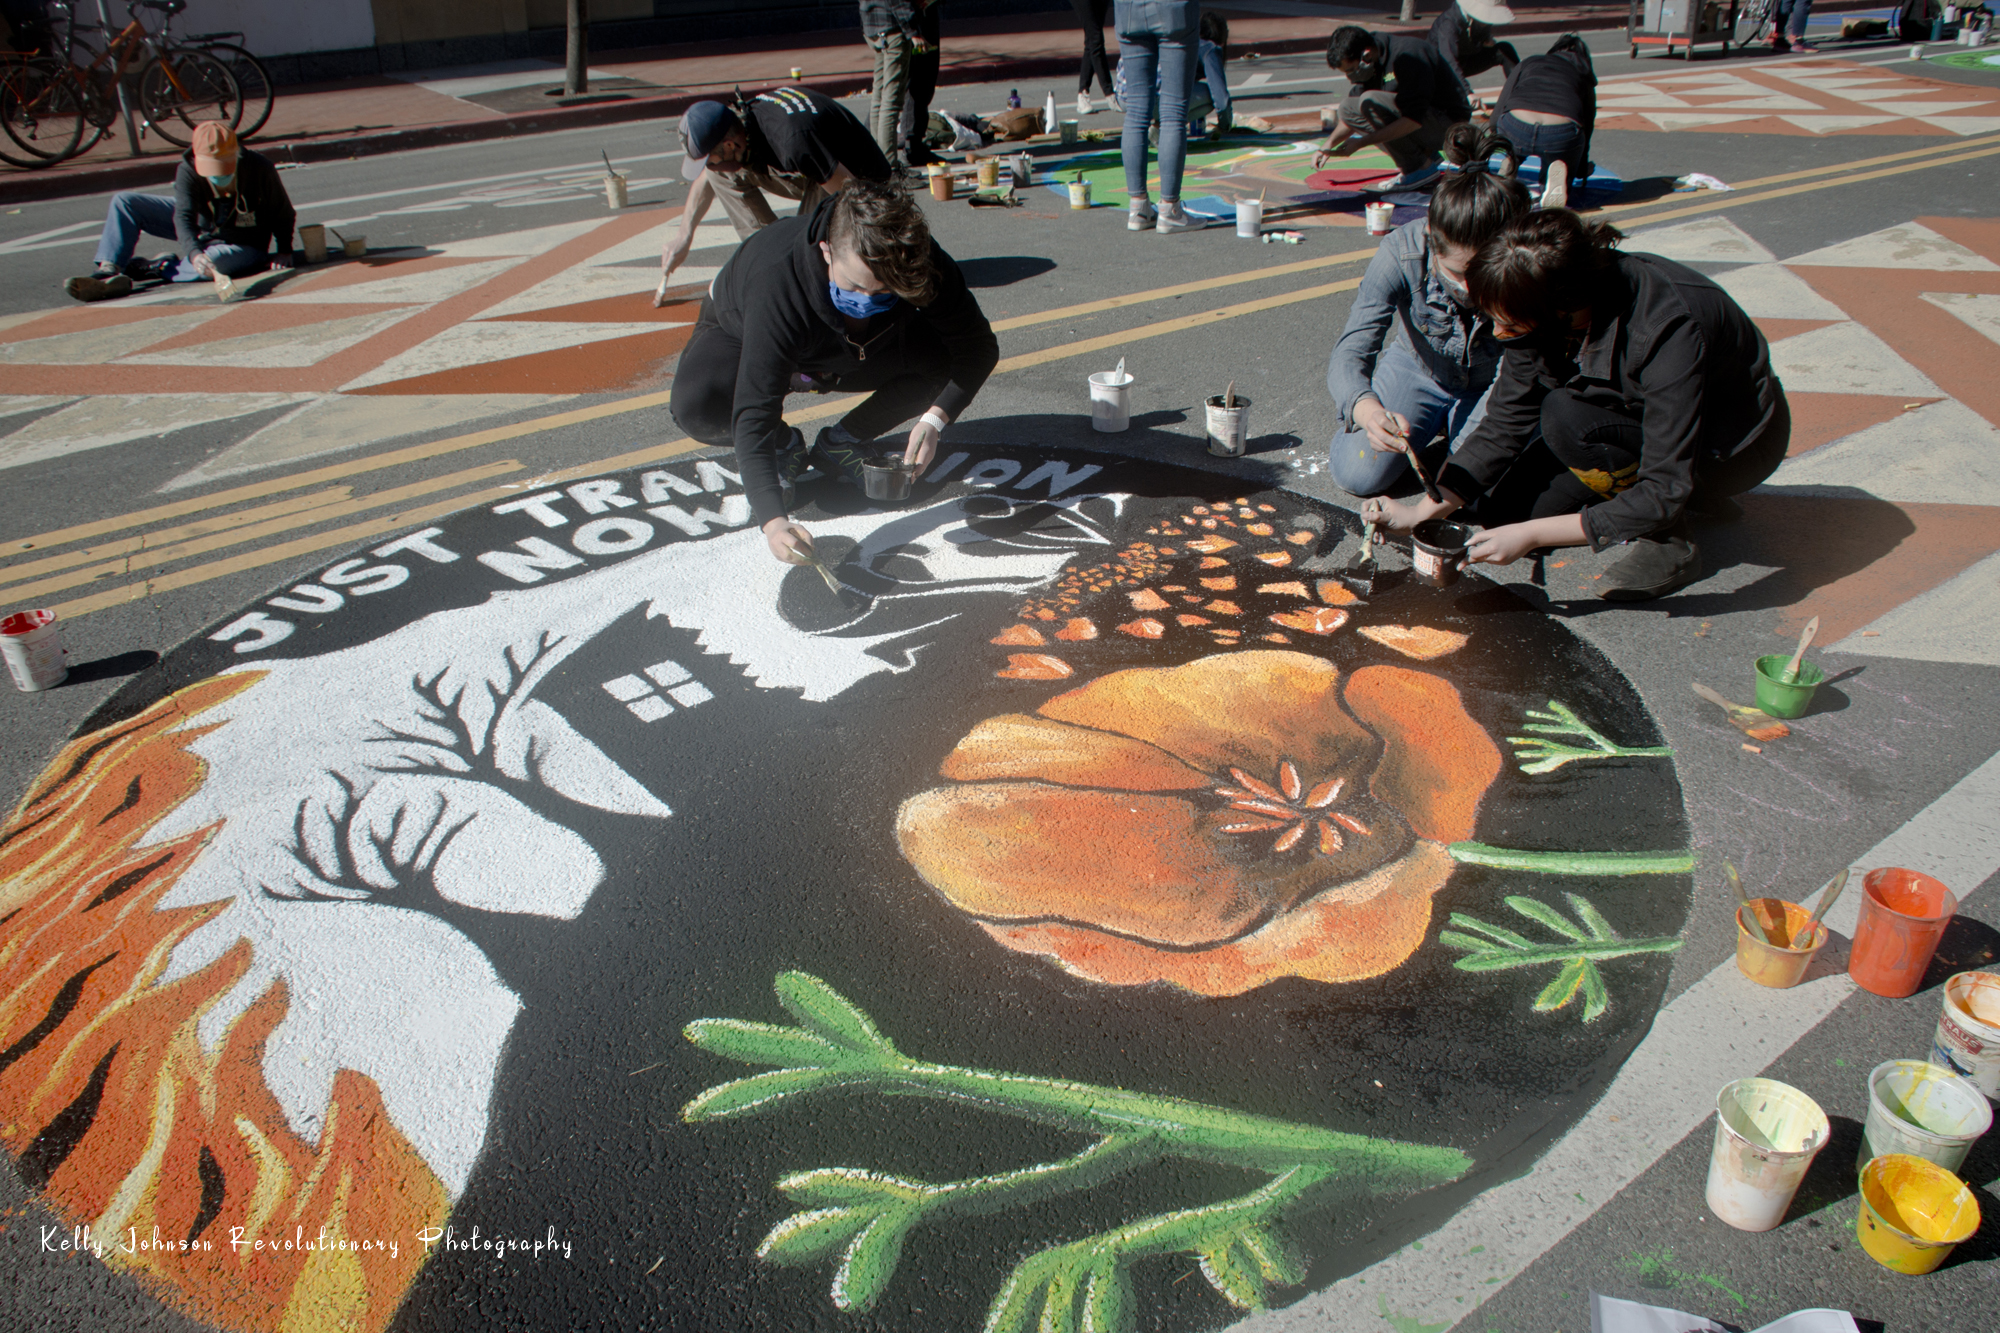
(1913, 1213)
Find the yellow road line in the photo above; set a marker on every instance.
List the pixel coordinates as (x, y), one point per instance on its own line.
(1065, 350)
(237, 536)
(199, 528)
(1837, 169)
(1735, 200)
(1183, 289)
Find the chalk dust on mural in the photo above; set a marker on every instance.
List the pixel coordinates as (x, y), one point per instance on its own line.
(112, 1107)
(1247, 816)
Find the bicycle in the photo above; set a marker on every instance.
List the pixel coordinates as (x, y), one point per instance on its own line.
(178, 89)
(1759, 14)
(41, 110)
(253, 81)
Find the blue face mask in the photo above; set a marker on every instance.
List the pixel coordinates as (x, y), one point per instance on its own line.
(859, 305)
(222, 182)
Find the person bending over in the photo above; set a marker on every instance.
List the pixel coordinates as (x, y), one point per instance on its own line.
(1547, 110)
(229, 215)
(1411, 120)
(1463, 35)
(1652, 393)
(1428, 387)
(855, 296)
(788, 142)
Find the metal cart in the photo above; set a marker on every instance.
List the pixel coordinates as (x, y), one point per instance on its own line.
(1683, 23)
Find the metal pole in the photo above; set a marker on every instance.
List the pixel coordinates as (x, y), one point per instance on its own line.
(576, 79)
(124, 89)
(1409, 14)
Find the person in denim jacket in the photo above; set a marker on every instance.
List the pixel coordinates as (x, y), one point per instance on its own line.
(1428, 388)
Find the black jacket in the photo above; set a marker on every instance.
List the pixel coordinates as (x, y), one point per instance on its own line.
(1423, 81)
(202, 217)
(1562, 82)
(771, 297)
(1664, 344)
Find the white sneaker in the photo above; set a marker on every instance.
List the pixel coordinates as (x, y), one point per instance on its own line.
(1083, 104)
(1175, 218)
(1142, 216)
(1555, 194)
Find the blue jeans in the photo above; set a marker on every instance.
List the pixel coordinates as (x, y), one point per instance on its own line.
(1550, 143)
(1797, 11)
(1401, 385)
(133, 213)
(1156, 43)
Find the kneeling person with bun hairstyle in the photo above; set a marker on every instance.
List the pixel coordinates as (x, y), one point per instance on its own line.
(858, 297)
(1631, 390)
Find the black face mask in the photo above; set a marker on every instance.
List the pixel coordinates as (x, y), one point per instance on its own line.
(1368, 71)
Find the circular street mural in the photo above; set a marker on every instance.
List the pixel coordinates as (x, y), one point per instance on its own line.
(1069, 904)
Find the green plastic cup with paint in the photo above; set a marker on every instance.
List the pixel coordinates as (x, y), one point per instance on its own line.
(1922, 1110)
(1766, 1135)
(1776, 697)
(1913, 1213)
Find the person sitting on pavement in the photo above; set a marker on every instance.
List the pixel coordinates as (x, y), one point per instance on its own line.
(1463, 35)
(1632, 390)
(1409, 122)
(856, 296)
(1427, 389)
(229, 215)
(790, 142)
(1548, 110)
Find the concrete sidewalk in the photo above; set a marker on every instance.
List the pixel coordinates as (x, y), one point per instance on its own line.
(359, 117)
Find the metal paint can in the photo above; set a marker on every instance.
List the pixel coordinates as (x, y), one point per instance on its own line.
(1071, 131)
(1923, 1110)
(989, 171)
(1437, 551)
(1968, 1031)
(1766, 1135)
(1024, 169)
(1079, 194)
(887, 477)
(32, 644)
(1228, 427)
(1381, 218)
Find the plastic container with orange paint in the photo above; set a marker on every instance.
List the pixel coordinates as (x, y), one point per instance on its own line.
(1782, 962)
(1903, 915)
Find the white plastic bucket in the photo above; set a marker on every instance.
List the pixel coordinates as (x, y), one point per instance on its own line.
(1381, 218)
(1923, 1110)
(1228, 427)
(1968, 1031)
(614, 190)
(1110, 401)
(312, 240)
(32, 644)
(1250, 218)
(1766, 1135)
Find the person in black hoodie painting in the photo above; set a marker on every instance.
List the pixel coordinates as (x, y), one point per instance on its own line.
(857, 297)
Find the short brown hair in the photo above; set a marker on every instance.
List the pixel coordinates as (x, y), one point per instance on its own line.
(880, 224)
(1540, 266)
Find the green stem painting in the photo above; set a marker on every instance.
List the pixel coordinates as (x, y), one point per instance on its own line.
(1585, 946)
(1537, 754)
(860, 1219)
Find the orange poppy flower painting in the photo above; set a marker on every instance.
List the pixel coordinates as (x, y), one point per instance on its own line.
(1217, 825)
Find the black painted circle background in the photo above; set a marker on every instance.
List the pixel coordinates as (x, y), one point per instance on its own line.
(781, 854)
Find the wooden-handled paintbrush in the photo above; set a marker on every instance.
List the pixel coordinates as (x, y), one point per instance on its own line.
(1752, 722)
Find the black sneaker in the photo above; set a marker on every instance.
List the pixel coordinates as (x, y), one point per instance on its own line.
(1711, 509)
(842, 456)
(102, 285)
(1653, 567)
(151, 270)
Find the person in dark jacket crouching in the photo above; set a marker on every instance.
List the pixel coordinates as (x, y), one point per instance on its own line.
(856, 297)
(1651, 391)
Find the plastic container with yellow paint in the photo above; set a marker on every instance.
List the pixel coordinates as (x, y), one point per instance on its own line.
(1913, 1213)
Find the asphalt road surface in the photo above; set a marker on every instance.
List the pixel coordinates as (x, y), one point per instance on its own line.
(480, 1050)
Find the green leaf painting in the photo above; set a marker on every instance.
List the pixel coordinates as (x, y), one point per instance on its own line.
(858, 1220)
(1585, 943)
(1538, 754)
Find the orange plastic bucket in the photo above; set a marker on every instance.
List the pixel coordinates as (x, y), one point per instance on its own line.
(1783, 962)
(1903, 915)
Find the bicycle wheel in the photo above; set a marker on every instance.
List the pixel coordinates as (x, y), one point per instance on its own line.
(41, 113)
(181, 89)
(252, 80)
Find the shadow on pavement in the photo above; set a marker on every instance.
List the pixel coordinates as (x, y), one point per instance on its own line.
(110, 668)
(1000, 270)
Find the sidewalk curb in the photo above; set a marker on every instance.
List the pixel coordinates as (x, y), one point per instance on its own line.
(27, 187)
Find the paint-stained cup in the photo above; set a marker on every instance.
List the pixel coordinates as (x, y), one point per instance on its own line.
(614, 189)
(989, 171)
(312, 242)
(1968, 1031)
(354, 247)
(941, 186)
(1110, 401)
(1766, 1135)
(1780, 699)
(1079, 194)
(1903, 915)
(1923, 1110)
(1437, 551)
(887, 477)
(1024, 170)
(1782, 963)
(1381, 218)
(1071, 131)
(1249, 218)
(1913, 1213)
(1228, 427)
(31, 641)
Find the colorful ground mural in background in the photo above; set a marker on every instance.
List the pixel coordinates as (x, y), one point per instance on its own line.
(1140, 903)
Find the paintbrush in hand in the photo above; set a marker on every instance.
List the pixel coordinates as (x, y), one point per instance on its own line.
(1416, 465)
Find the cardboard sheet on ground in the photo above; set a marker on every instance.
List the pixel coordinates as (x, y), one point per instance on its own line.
(1610, 1315)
